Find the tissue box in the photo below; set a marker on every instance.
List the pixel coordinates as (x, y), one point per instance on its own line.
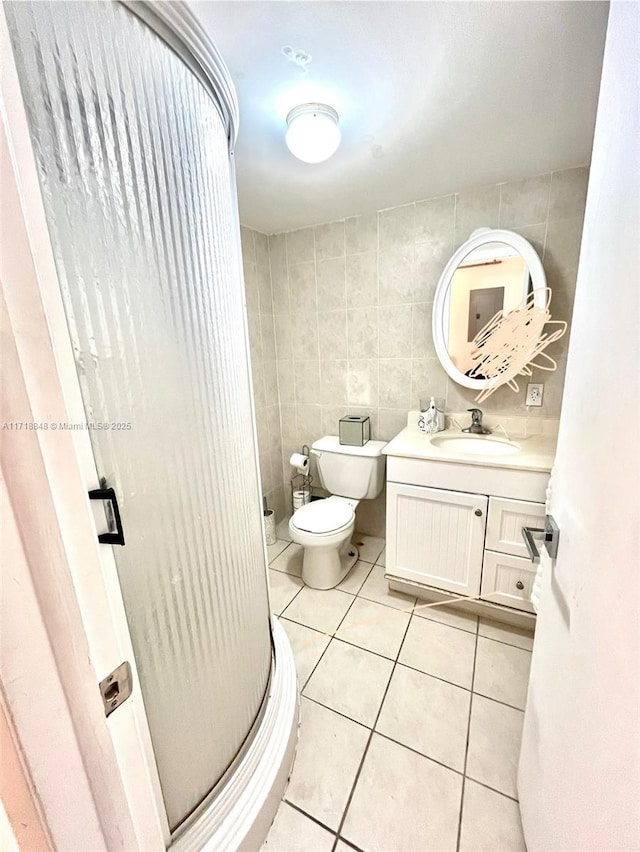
(355, 431)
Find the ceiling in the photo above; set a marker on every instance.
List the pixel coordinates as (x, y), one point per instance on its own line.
(433, 97)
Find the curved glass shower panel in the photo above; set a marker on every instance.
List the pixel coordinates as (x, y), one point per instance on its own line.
(134, 166)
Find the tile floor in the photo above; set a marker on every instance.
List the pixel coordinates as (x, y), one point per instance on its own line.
(410, 720)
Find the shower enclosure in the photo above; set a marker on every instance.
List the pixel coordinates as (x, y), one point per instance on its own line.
(132, 120)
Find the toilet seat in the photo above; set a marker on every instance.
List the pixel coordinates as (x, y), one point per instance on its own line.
(323, 517)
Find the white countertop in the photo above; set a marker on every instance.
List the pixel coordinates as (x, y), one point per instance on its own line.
(535, 452)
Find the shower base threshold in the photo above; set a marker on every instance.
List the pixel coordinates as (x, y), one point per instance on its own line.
(240, 817)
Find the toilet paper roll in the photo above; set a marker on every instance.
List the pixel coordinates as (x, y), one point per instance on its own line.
(300, 498)
(300, 462)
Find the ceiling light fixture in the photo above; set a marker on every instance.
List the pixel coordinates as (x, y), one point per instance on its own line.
(313, 134)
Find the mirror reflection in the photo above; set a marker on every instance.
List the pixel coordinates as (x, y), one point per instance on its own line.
(493, 277)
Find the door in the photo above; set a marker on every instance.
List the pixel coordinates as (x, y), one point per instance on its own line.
(133, 162)
(436, 537)
(483, 306)
(579, 773)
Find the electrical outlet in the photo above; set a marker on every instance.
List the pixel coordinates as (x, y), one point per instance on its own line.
(534, 394)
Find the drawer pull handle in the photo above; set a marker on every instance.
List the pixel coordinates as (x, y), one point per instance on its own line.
(478, 513)
(520, 585)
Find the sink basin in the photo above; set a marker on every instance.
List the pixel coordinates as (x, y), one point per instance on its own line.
(475, 445)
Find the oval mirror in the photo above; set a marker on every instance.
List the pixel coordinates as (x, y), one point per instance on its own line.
(493, 271)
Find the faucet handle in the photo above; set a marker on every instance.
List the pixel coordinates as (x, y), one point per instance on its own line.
(476, 427)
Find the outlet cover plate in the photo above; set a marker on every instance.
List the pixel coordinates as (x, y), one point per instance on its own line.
(534, 393)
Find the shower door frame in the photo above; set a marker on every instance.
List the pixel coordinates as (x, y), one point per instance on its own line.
(93, 589)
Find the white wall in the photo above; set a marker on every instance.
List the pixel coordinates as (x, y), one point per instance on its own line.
(579, 778)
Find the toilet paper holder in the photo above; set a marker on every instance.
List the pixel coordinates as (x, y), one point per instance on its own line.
(301, 482)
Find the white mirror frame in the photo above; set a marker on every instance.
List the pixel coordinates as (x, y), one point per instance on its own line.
(440, 307)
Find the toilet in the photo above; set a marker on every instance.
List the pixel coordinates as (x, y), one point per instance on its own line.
(324, 527)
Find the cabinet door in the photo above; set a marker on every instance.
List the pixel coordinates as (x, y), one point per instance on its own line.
(436, 537)
(508, 580)
(505, 521)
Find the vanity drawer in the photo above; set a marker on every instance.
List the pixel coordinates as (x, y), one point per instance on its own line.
(505, 521)
(504, 575)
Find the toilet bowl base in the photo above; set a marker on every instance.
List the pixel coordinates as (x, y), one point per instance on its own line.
(326, 567)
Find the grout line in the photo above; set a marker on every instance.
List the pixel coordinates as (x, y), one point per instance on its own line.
(420, 753)
(279, 554)
(546, 222)
(444, 624)
(493, 789)
(337, 712)
(466, 751)
(366, 748)
(497, 701)
(283, 571)
(399, 662)
(408, 747)
(509, 644)
(309, 816)
(306, 626)
(278, 614)
(331, 638)
(349, 844)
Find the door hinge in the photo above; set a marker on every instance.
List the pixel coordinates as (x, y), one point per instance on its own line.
(116, 688)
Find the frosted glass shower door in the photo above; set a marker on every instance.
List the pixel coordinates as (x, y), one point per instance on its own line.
(133, 160)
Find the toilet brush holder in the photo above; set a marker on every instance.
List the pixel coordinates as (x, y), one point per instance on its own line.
(270, 526)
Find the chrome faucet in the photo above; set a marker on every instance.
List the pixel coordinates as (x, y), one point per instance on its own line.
(476, 427)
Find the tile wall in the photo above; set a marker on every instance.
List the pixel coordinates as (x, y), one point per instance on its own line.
(352, 303)
(257, 276)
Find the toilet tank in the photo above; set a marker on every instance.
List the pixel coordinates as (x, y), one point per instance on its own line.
(356, 472)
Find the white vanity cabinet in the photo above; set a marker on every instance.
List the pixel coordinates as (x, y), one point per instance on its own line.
(436, 536)
(453, 540)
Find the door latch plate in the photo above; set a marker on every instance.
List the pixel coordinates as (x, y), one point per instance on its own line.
(116, 688)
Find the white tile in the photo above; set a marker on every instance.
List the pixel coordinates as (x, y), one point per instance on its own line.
(382, 559)
(355, 578)
(369, 547)
(289, 561)
(329, 752)
(376, 588)
(439, 650)
(282, 590)
(490, 822)
(294, 832)
(448, 615)
(403, 802)
(506, 633)
(428, 715)
(276, 549)
(350, 681)
(308, 646)
(300, 245)
(502, 672)
(494, 744)
(322, 609)
(524, 202)
(374, 627)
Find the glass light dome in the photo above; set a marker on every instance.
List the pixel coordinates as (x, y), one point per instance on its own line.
(313, 134)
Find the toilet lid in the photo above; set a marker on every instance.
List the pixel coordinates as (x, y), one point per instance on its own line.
(323, 516)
